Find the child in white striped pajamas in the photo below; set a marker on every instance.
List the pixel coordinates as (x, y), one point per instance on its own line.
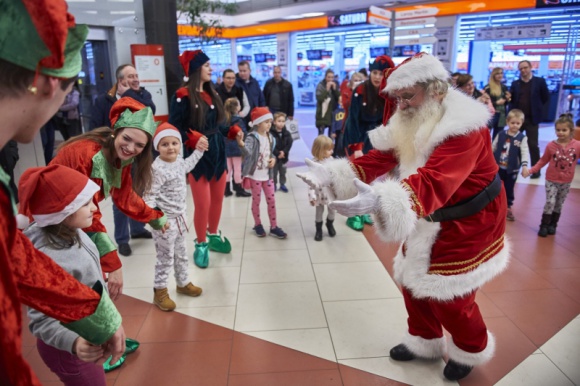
(168, 193)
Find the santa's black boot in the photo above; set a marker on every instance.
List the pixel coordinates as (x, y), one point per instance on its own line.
(554, 223)
(546, 221)
(318, 234)
(455, 371)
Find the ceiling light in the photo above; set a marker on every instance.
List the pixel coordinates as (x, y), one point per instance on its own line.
(312, 14)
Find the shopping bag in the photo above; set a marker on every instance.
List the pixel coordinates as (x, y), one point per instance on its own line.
(292, 127)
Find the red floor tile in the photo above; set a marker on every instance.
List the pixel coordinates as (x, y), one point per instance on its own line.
(355, 377)
(253, 355)
(302, 378)
(566, 279)
(516, 277)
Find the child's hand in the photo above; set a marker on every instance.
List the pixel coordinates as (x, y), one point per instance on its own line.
(240, 139)
(313, 202)
(202, 144)
(85, 351)
(333, 135)
(281, 154)
(165, 227)
(525, 172)
(271, 163)
(358, 154)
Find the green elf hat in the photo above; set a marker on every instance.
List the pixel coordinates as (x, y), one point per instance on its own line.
(127, 112)
(41, 36)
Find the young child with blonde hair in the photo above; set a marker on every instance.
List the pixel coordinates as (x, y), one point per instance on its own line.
(561, 156)
(322, 149)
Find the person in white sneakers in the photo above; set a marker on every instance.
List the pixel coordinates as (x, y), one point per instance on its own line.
(435, 190)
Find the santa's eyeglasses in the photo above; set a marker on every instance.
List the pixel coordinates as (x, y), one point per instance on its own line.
(406, 101)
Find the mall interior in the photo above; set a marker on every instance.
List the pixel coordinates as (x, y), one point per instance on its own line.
(302, 312)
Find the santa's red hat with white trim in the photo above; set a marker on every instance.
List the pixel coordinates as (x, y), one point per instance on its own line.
(419, 68)
(49, 194)
(259, 115)
(165, 130)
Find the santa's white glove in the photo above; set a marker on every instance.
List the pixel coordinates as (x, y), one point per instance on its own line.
(365, 202)
(317, 177)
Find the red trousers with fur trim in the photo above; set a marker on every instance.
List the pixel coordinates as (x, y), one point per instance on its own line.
(461, 317)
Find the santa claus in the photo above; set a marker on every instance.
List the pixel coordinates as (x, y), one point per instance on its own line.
(435, 190)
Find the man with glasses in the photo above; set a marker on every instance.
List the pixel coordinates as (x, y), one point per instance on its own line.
(228, 89)
(434, 190)
(530, 94)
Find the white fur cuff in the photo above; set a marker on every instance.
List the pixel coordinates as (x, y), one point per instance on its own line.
(395, 219)
(472, 359)
(425, 348)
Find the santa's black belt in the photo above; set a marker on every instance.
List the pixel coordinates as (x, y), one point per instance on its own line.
(469, 207)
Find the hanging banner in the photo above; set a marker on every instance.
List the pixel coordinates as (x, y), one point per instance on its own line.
(418, 12)
(524, 31)
(557, 3)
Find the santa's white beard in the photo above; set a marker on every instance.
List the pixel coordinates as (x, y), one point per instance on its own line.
(412, 127)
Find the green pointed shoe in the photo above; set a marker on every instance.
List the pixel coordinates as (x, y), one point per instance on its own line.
(367, 219)
(131, 345)
(107, 366)
(201, 254)
(217, 245)
(355, 223)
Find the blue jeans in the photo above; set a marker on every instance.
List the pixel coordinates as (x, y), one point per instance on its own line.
(122, 225)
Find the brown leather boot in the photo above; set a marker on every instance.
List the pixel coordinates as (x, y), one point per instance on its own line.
(189, 290)
(162, 300)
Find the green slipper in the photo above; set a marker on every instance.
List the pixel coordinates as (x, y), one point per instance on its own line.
(201, 254)
(131, 345)
(217, 245)
(367, 219)
(355, 223)
(107, 366)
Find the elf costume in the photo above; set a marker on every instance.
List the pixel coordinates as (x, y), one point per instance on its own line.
(52, 44)
(208, 179)
(87, 157)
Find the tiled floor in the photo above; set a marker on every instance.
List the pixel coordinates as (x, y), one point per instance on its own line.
(301, 312)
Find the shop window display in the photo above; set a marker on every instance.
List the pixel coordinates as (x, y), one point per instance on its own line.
(219, 51)
(260, 52)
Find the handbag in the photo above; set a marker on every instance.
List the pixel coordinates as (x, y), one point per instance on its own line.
(292, 127)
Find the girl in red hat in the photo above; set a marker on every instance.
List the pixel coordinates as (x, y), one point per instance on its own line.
(257, 168)
(60, 201)
(197, 111)
(105, 155)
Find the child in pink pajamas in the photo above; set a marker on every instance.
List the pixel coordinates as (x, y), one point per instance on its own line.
(259, 160)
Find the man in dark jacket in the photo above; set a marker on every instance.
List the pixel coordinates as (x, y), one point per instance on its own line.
(250, 85)
(127, 86)
(279, 95)
(281, 149)
(530, 94)
(228, 89)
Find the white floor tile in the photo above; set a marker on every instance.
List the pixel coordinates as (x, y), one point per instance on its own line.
(279, 306)
(341, 249)
(535, 370)
(417, 372)
(315, 341)
(355, 281)
(221, 316)
(276, 267)
(366, 328)
(563, 349)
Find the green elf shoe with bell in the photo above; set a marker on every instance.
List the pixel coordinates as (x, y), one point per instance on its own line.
(367, 219)
(355, 222)
(201, 254)
(216, 243)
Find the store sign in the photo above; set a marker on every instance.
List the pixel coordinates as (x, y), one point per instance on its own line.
(347, 19)
(347, 52)
(379, 21)
(326, 54)
(378, 51)
(380, 12)
(524, 31)
(424, 40)
(416, 31)
(557, 3)
(246, 58)
(409, 50)
(419, 12)
(415, 22)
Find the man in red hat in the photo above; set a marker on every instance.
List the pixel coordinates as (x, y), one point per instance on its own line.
(33, 84)
(436, 192)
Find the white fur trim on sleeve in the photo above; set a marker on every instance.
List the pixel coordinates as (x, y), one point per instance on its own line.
(472, 359)
(342, 175)
(425, 348)
(22, 221)
(395, 219)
